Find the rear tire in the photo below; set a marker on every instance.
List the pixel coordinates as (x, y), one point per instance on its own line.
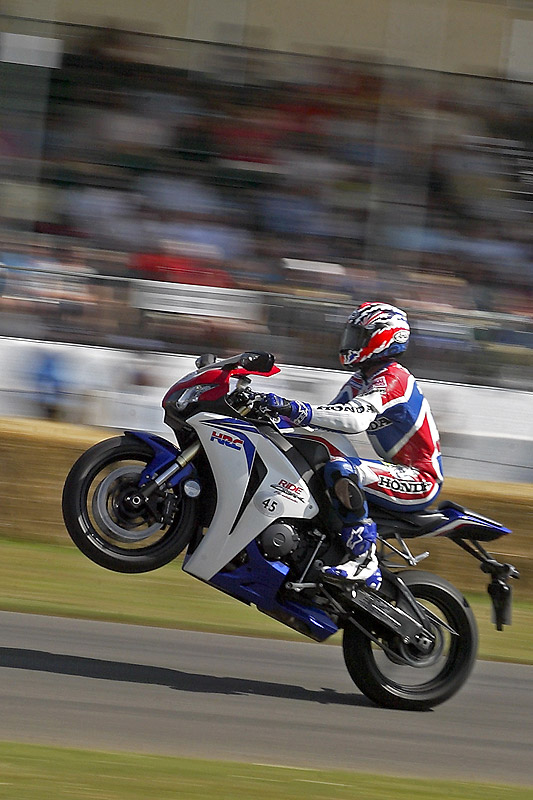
(101, 524)
(431, 679)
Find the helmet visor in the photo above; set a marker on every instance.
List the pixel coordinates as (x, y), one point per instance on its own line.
(354, 337)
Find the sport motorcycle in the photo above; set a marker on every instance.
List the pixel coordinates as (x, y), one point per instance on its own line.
(241, 495)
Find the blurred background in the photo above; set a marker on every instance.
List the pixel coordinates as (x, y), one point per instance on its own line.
(220, 175)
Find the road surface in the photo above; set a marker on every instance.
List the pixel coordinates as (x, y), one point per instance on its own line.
(119, 687)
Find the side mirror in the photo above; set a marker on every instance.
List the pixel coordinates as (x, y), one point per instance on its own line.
(257, 362)
(204, 360)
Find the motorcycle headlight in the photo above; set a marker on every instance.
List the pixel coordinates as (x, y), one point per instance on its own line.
(192, 394)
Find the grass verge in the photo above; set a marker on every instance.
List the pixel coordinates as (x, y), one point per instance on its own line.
(32, 771)
(58, 580)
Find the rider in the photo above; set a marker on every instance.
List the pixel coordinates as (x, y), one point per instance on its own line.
(383, 398)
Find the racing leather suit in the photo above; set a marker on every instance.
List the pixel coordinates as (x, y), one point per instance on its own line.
(386, 401)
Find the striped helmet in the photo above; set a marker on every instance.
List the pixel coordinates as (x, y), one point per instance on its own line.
(374, 331)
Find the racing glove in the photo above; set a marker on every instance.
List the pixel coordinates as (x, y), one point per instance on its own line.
(299, 413)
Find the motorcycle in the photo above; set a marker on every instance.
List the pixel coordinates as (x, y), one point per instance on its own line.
(242, 495)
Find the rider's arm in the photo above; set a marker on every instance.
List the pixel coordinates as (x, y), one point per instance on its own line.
(352, 417)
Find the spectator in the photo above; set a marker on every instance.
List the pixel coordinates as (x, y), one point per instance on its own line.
(183, 262)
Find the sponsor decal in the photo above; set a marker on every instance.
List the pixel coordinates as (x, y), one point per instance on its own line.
(401, 336)
(378, 424)
(290, 490)
(407, 487)
(379, 383)
(227, 440)
(403, 472)
(360, 408)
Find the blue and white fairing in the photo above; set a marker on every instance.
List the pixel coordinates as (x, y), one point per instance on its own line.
(232, 447)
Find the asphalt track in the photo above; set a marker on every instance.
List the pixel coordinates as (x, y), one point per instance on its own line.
(120, 687)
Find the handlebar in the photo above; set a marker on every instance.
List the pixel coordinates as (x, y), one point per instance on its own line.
(245, 401)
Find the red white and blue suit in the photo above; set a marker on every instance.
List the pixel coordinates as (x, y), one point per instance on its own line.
(385, 401)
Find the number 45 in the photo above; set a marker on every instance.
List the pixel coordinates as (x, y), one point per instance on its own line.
(270, 504)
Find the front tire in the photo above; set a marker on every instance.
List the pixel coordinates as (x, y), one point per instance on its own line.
(103, 526)
(427, 680)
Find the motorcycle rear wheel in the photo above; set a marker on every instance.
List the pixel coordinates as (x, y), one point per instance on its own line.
(102, 524)
(427, 680)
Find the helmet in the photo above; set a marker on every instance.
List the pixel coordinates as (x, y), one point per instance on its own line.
(374, 331)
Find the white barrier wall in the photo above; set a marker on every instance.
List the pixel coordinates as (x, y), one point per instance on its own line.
(486, 433)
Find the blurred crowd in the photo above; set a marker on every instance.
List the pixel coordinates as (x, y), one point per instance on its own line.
(276, 193)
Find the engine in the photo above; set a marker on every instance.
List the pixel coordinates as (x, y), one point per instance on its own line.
(278, 540)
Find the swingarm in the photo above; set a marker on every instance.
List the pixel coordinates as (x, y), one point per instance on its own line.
(415, 627)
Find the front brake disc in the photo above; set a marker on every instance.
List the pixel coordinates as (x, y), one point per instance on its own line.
(100, 508)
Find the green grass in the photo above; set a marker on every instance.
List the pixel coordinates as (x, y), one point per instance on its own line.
(28, 772)
(59, 580)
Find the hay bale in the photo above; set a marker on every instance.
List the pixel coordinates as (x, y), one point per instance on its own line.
(35, 457)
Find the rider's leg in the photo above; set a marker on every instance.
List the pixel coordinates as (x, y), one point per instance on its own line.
(397, 487)
(359, 531)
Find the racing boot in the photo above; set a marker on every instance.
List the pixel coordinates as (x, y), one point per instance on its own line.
(363, 567)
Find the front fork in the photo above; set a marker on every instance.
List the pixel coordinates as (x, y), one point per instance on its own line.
(169, 466)
(177, 468)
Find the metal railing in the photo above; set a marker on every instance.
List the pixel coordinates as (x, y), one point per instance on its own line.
(89, 308)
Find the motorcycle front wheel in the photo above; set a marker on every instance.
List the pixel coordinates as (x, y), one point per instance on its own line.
(403, 677)
(103, 522)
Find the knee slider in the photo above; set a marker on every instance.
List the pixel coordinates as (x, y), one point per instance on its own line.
(349, 493)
